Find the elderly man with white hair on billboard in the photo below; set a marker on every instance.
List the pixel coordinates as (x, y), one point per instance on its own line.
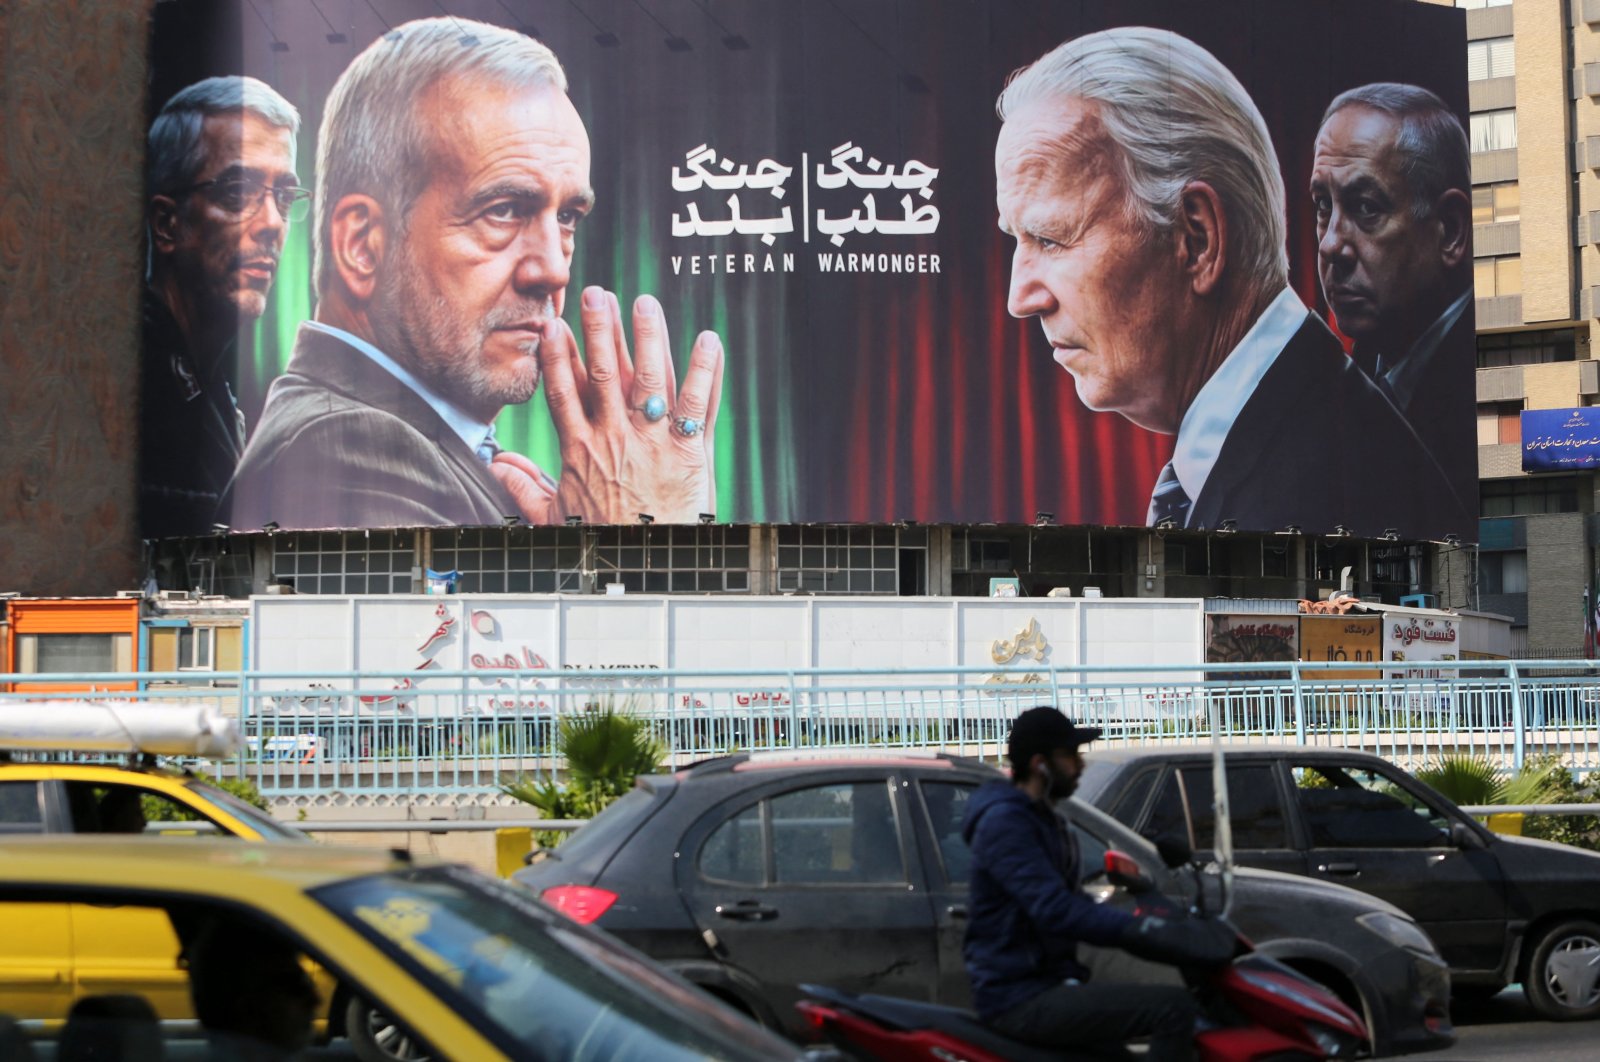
(222, 193)
(1141, 185)
(452, 177)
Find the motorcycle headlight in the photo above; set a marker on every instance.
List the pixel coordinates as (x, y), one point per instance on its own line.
(1401, 932)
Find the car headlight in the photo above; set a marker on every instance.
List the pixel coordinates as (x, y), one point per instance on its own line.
(1401, 932)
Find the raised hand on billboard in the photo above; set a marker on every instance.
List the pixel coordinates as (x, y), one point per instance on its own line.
(623, 454)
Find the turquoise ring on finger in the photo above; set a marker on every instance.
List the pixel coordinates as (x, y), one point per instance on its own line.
(654, 408)
(688, 427)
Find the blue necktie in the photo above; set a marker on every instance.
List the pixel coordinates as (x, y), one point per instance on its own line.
(1168, 501)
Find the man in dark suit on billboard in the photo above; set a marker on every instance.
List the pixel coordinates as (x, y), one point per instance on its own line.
(1391, 182)
(1142, 188)
(452, 175)
(222, 193)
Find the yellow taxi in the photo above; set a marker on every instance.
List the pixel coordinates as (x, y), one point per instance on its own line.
(57, 953)
(477, 968)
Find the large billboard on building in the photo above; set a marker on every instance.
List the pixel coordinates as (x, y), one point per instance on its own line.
(782, 262)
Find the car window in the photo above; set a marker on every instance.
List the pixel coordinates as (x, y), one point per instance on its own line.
(947, 808)
(487, 950)
(734, 851)
(836, 834)
(1091, 854)
(612, 827)
(1131, 800)
(1253, 798)
(19, 808)
(131, 809)
(1352, 807)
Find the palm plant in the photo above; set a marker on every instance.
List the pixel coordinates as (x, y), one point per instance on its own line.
(605, 750)
(1474, 780)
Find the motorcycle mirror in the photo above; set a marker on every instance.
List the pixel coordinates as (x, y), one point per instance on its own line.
(1174, 850)
(1122, 869)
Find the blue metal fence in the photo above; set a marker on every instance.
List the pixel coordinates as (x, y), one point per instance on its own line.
(309, 733)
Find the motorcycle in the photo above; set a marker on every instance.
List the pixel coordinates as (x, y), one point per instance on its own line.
(1256, 1009)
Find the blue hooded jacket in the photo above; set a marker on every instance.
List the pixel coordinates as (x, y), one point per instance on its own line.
(1026, 912)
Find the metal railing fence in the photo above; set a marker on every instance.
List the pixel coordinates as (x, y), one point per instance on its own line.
(352, 732)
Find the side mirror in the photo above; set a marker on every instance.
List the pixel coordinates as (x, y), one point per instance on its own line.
(1174, 850)
(1122, 869)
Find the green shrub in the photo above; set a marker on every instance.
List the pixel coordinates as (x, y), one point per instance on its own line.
(605, 751)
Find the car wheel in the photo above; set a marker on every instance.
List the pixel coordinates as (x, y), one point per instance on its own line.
(375, 1037)
(1563, 981)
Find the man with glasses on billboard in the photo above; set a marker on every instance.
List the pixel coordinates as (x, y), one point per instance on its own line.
(1141, 185)
(1391, 182)
(222, 193)
(452, 176)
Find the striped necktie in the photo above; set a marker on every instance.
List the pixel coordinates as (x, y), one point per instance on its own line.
(1168, 501)
(488, 448)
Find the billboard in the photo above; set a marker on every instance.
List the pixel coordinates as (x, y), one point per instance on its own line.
(1343, 639)
(1251, 638)
(1560, 440)
(777, 262)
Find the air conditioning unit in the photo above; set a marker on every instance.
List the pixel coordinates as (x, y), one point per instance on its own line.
(1060, 591)
(1091, 591)
(1420, 600)
(279, 589)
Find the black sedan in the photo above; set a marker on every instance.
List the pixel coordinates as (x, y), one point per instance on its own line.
(750, 874)
(1501, 909)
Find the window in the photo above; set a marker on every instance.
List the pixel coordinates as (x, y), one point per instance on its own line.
(1499, 423)
(1527, 348)
(947, 807)
(1496, 202)
(1350, 807)
(1503, 573)
(988, 555)
(196, 648)
(704, 558)
(842, 560)
(734, 851)
(344, 562)
(130, 809)
(1528, 497)
(493, 560)
(1497, 276)
(1186, 795)
(54, 654)
(1495, 57)
(19, 808)
(1493, 130)
(836, 834)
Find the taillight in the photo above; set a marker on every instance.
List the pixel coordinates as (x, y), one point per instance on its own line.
(581, 903)
(1122, 864)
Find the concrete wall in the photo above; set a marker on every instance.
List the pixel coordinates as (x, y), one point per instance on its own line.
(72, 75)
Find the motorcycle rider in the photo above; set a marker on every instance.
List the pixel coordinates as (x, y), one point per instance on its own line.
(1027, 914)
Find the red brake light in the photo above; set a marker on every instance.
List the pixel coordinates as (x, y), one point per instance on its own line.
(580, 903)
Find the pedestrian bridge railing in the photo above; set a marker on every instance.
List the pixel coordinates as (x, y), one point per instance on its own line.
(319, 732)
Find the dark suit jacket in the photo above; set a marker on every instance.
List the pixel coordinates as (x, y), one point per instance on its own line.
(1443, 407)
(190, 432)
(342, 443)
(1318, 445)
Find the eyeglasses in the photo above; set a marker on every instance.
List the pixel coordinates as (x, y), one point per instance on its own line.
(242, 197)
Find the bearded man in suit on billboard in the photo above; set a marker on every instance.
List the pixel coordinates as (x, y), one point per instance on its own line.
(1141, 185)
(452, 176)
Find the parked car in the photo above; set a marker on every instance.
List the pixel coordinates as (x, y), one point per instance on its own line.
(1501, 909)
(477, 970)
(753, 873)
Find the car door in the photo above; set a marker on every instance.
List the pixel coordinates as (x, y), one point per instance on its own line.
(812, 881)
(1368, 829)
(947, 862)
(1182, 806)
(36, 947)
(118, 948)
